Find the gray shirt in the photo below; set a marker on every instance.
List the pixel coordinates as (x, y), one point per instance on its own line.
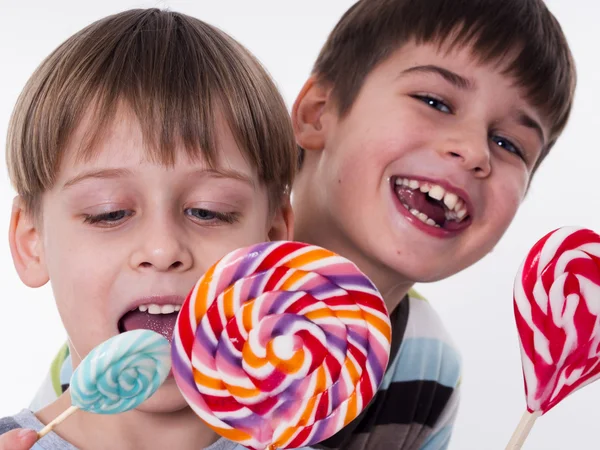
(52, 441)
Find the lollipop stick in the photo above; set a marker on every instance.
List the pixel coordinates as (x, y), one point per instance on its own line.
(48, 428)
(522, 430)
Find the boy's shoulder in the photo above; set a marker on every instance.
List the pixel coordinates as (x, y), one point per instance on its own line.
(27, 419)
(425, 319)
(7, 424)
(427, 348)
(56, 381)
(416, 403)
(421, 385)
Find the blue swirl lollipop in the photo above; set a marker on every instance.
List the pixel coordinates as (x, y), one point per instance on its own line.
(118, 375)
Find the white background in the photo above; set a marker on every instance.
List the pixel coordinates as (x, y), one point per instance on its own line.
(476, 304)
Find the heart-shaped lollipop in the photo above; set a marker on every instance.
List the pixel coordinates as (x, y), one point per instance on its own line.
(557, 309)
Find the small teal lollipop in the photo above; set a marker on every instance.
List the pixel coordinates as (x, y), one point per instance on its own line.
(118, 375)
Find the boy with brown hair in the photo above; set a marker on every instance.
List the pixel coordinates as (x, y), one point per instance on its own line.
(421, 127)
(143, 149)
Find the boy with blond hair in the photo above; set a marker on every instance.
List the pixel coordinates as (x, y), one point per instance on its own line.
(143, 149)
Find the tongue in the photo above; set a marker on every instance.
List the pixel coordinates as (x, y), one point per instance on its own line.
(415, 199)
(161, 323)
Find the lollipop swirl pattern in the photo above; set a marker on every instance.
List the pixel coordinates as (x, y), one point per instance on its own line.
(121, 373)
(557, 309)
(281, 345)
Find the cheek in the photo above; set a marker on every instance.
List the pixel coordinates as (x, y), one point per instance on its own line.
(82, 282)
(215, 249)
(507, 199)
(369, 148)
(253, 229)
(81, 258)
(82, 270)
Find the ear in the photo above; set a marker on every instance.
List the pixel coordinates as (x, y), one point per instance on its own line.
(282, 224)
(26, 246)
(307, 115)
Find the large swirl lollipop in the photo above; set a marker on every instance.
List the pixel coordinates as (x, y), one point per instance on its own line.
(281, 345)
(557, 309)
(118, 375)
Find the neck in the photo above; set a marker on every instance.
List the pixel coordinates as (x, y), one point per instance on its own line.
(391, 285)
(131, 430)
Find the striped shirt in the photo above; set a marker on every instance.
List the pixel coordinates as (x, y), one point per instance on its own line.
(414, 408)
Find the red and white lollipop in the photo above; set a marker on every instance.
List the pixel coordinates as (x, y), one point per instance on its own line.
(557, 311)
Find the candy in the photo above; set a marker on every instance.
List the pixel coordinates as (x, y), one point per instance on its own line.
(280, 345)
(121, 373)
(118, 375)
(557, 309)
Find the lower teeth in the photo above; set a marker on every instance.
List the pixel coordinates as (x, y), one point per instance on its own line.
(422, 217)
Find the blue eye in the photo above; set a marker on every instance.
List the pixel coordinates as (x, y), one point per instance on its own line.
(506, 144)
(206, 215)
(202, 214)
(434, 103)
(108, 218)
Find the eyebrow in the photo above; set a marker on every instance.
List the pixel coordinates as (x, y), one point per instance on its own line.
(226, 173)
(453, 78)
(465, 84)
(98, 174)
(113, 173)
(527, 121)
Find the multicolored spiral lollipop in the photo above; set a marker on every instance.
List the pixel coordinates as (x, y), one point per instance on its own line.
(557, 310)
(118, 375)
(280, 345)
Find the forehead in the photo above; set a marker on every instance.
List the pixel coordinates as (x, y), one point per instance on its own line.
(460, 59)
(474, 72)
(121, 143)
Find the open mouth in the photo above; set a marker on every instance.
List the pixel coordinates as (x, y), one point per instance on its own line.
(432, 204)
(158, 318)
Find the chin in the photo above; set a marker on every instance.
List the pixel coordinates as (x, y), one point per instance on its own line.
(418, 276)
(415, 268)
(167, 399)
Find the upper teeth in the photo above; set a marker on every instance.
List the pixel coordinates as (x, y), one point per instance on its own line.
(159, 309)
(453, 202)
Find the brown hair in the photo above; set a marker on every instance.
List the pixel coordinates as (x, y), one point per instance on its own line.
(497, 30)
(172, 70)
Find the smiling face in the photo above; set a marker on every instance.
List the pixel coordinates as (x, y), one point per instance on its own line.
(123, 239)
(426, 171)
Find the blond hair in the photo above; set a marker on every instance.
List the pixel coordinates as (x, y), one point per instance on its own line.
(173, 71)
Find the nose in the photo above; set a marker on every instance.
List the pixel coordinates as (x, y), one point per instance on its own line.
(471, 151)
(161, 246)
